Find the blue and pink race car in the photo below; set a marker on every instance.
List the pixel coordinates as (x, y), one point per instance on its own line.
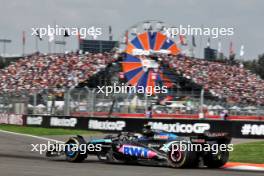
(152, 147)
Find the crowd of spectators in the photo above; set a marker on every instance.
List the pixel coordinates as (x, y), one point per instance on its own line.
(40, 71)
(231, 83)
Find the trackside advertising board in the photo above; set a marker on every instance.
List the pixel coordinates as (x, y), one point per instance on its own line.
(239, 129)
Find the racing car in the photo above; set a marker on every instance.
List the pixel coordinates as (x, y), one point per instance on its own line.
(152, 147)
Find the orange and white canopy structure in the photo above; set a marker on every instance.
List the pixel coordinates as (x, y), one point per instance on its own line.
(139, 68)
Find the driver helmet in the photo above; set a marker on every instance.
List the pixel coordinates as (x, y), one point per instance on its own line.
(147, 131)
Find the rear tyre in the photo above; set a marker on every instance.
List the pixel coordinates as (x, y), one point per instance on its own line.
(178, 158)
(216, 160)
(72, 150)
(110, 156)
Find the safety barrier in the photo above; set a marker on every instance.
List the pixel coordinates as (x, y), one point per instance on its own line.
(238, 129)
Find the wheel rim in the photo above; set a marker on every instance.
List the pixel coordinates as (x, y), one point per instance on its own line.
(176, 156)
(69, 152)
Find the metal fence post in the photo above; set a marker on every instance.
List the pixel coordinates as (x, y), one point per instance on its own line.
(146, 104)
(92, 102)
(201, 104)
(34, 102)
(66, 102)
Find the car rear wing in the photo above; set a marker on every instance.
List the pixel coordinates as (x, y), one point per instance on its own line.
(219, 137)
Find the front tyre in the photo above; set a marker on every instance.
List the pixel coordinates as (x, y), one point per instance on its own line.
(75, 149)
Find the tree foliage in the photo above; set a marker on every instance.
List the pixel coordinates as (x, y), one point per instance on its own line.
(256, 66)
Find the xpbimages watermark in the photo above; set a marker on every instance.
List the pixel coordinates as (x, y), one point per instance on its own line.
(189, 30)
(193, 147)
(61, 31)
(62, 147)
(127, 89)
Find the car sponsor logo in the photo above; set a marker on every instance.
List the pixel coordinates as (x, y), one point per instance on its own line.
(180, 128)
(154, 145)
(137, 151)
(252, 129)
(161, 137)
(34, 120)
(63, 122)
(106, 125)
(14, 119)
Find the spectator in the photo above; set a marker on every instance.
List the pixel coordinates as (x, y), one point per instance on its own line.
(231, 83)
(149, 112)
(38, 72)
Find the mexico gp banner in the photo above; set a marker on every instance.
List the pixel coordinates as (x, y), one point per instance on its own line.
(238, 129)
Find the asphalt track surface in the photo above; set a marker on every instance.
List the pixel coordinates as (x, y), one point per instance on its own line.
(16, 158)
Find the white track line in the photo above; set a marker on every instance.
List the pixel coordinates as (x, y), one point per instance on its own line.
(246, 168)
(32, 136)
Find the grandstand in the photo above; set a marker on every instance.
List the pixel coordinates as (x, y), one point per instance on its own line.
(229, 84)
(38, 71)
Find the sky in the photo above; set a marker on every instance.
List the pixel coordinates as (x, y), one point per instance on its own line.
(246, 17)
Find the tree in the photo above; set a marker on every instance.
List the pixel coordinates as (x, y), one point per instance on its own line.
(260, 66)
(256, 66)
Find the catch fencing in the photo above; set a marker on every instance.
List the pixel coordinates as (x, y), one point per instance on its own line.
(91, 102)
